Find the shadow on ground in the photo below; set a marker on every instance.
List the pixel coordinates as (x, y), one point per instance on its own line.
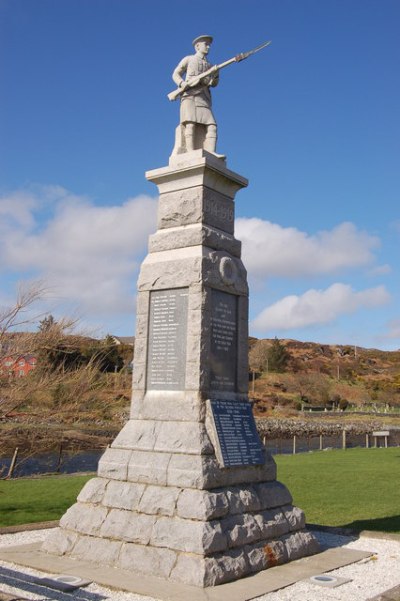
(25, 582)
(388, 524)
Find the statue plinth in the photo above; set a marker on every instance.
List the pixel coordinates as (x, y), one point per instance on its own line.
(164, 501)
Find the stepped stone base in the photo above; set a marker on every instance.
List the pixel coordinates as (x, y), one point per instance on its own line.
(178, 515)
(198, 537)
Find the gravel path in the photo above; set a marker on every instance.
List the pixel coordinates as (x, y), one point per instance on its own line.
(369, 578)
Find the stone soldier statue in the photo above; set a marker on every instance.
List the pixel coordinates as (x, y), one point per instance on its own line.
(197, 128)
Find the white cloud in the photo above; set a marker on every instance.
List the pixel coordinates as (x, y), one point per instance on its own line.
(380, 270)
(392, 331)
(16, 211)
(318, 307)
(272, 250)
(88, 254)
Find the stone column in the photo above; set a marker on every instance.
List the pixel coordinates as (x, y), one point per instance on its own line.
(164, 501)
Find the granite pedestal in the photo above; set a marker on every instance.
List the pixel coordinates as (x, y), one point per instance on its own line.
(186, 491)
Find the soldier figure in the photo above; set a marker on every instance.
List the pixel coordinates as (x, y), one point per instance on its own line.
(197, 128)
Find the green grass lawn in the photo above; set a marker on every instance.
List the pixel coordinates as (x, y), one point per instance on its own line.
(356, 488)
(27, 500)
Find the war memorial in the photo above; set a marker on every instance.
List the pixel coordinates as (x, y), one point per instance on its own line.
(187, 492)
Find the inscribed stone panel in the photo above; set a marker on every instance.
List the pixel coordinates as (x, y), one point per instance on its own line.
(223, 358)
(166, 360)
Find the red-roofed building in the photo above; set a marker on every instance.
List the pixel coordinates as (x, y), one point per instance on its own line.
(18, 366)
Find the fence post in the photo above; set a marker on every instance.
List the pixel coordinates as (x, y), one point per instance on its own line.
(321, 446)
(12, 464)
(344, 439)
(59, 459)
(294, 444)
(367, 441)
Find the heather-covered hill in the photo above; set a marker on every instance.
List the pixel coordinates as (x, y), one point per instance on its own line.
(288, 375)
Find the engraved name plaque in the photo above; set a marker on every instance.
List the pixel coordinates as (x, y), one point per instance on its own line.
(238, 439)
(223, 359)
(166, 360)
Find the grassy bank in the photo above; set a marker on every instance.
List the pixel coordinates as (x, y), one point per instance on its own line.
(357, 488)
(28, 500)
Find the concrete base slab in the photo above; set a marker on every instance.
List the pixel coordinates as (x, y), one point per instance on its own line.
(240, 590)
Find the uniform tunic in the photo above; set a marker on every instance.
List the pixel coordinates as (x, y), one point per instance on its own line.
(195, 102)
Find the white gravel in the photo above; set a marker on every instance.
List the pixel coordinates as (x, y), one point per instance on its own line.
(368, 577)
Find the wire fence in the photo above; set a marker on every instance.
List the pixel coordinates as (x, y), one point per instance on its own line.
(343, 440)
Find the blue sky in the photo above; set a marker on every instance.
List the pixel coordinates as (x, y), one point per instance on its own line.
(312, 121)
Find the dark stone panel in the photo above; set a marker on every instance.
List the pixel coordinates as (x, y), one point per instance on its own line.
(237, 434)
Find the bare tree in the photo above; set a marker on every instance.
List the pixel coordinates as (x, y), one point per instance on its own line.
(67, 386)
(258, 355)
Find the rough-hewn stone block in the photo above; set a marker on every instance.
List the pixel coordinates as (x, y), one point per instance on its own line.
(84, 518)
(93, 491)
(137, 434)
(168, 406)
(186, 471)
(273, 494)
(295, 518)
(241, 530)
(147, 560)
(177, 270)
(183, 437)
(160, 500)
(242, 500)
(272, 523)
(226, 567)
(275, 553)
(123, 495)
(188, 535)
(210, 571)
(128, 526)
(189, 569)
(300, 544)
(98, 550)
(148, 467)
(256, 557)
(114, 464)
(60, 541)
(202, 505)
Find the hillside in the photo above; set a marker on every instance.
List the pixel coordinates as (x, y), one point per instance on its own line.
(83, 401)
(323, 375)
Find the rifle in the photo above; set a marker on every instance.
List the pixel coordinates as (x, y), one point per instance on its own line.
(196, 80)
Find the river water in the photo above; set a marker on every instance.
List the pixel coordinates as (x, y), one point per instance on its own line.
(71, 463)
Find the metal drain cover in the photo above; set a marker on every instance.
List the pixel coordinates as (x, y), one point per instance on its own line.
(63, 582)
(328, 581)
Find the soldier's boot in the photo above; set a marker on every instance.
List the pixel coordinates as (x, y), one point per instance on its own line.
(210, 144)
(210, 141)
